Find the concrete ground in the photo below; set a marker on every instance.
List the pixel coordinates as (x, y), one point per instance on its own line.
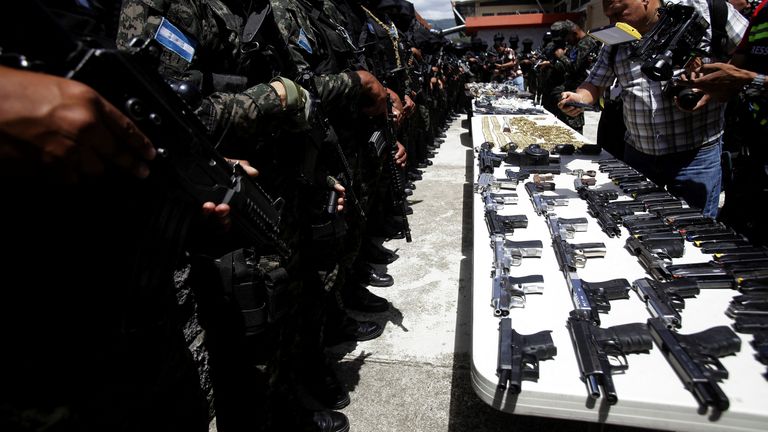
(416, 376)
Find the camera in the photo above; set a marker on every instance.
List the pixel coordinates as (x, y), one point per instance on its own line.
(687, 98)
(672, 41)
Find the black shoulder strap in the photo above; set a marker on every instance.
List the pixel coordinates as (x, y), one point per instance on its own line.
(718, 16)
(612, 57)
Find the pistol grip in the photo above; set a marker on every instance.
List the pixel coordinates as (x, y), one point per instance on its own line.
(633, 338)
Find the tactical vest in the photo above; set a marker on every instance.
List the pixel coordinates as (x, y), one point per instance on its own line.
(234, 53)
(335, 51)
(380, 51)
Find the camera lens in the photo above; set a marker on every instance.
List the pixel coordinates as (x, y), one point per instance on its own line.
(660, 68)
(687, 98)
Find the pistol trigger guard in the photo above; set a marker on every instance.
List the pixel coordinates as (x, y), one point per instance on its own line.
(530, 370)
(713, 368)
(618, 361)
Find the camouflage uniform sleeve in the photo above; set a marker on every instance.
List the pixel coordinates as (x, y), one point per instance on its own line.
(243, 114)
(561, 68)
(337, 91)
(138, 18)
(586, 55)
(334, 90)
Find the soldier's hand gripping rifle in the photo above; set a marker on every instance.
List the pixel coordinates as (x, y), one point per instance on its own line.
(398, 183)
(322, 134)
(129, 80)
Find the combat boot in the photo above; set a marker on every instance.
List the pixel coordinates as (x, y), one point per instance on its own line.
(353, 330)
(378, 254)
(330, 421)
(324, 386)
(369, 276)
(360, 299)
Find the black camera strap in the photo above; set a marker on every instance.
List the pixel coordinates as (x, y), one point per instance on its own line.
(718, 16)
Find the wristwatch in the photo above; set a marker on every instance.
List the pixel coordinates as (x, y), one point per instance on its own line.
(758, 83)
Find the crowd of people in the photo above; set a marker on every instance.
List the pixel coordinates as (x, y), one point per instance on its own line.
(136, 307)
(560, 63)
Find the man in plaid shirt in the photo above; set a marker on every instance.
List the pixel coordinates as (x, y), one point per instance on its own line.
(672, 147)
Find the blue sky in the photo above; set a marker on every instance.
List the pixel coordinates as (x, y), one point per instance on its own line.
(433, 9)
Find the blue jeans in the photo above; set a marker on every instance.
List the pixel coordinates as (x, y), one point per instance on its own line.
(519, 83)
(694, 175)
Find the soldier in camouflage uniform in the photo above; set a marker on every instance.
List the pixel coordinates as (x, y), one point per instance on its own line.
(227, 54)
(569, 65)
(92, 342)
(214, 32)
(384, 46)
(319, 46)
(543, 70)
(370, 179)
(582, 56)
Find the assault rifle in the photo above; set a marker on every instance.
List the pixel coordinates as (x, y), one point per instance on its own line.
(519, 355)
(187, 159)
(398, 182)
(595, 346)
(323, 135)
(694, 358)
